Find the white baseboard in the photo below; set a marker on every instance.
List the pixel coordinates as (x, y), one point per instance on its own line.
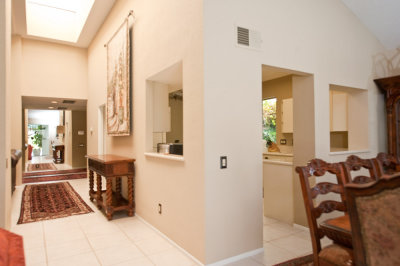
(218, 263)
(300, 227)
(237, 258)
(169, 240)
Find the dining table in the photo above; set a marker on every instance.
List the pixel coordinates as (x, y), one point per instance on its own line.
(338, 230)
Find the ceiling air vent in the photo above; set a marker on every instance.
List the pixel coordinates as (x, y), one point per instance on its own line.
(69, 101)
(248, 38)
(62, 108)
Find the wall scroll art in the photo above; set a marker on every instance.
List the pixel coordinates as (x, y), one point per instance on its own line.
(118, 83)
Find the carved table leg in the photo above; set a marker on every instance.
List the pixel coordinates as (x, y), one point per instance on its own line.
(98, 192)
(109, 208)
(91, 184)
(118, 187)
(130, 195)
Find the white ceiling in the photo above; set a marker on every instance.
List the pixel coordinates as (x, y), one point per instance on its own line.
(96, 17)
(381, 17)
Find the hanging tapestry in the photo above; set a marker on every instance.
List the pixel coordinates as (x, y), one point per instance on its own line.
(118, 83)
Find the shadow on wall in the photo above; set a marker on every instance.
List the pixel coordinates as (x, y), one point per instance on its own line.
(387, 64)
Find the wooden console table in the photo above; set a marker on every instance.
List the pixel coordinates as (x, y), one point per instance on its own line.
(111, 167)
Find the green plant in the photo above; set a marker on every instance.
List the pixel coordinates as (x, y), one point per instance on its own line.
(37, 139)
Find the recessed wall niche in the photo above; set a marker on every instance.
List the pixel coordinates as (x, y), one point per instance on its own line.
(164, 95)
(348, 118)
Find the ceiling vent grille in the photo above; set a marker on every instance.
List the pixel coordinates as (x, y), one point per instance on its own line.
(69, 101)
(248, 38)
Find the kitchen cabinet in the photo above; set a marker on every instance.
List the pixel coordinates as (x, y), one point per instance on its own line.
(287, 115)
(338, 110)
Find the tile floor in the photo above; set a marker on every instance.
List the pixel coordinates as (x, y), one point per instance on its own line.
(90, 239)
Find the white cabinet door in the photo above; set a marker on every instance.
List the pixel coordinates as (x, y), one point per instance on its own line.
(338, 111)
(287, 115)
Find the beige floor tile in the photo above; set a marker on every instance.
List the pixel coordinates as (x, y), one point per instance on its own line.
(153, 245)
(67, 249)
(136, 262)
(293, 244)
(101, 228)
(118, 254)
(85, 259)
(273, 233)
(35, 256)
(273, 255)
(285, 227)
(171, 257)
(245, 262)
(63, 235)
(108, 241)
(138, 232)
(268, 220)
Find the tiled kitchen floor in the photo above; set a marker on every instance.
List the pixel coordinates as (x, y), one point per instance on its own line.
(90, 239)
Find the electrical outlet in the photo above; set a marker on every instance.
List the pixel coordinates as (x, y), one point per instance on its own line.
(223, 162)
(282, 141)
(159, 208)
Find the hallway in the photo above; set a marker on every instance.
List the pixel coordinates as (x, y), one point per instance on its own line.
(90, 239)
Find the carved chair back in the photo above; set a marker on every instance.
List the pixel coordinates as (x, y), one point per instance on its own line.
(374, 212)
(318, 168)
(386, 164)
(355, 163)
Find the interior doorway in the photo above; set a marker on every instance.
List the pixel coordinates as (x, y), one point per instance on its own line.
(288, 140)
(102, 130)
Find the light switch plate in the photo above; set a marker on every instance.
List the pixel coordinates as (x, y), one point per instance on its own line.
(223, 162)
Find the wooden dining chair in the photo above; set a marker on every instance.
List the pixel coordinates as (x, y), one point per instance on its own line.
(374, 211)
(333, 254)
(386, 164)
(355, 164)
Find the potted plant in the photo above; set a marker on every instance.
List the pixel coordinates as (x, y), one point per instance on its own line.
(37, 143)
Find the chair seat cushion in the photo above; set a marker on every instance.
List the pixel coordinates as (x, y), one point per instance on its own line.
(336, 255)
(11, 249)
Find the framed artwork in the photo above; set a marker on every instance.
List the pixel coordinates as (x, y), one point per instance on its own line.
(118, 83)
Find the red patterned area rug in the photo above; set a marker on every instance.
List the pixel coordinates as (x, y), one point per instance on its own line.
(41, 167)
(50, 201)
(300, 261)
(46, 176)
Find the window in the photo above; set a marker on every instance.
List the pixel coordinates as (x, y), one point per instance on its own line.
(269, 119)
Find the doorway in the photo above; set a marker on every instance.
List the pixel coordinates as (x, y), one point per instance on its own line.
(102, 130)
(288, 140)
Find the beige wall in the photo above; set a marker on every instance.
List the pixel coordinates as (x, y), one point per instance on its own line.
(5, 111)
(16, 82)
(53, 70)
(165, 32)
(79, 152)
(44, 69)
(336, 50)
(280, 89)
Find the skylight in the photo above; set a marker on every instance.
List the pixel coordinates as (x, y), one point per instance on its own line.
(57, 19)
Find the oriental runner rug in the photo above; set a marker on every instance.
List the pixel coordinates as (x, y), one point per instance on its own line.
(300, 261)
(41, 167)
(50, 201)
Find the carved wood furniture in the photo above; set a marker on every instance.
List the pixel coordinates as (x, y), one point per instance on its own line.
(338, 229)
(391, 88)
(112, 167)
(375, 221)
(58, 153)
(355, 163)
(333, 254)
